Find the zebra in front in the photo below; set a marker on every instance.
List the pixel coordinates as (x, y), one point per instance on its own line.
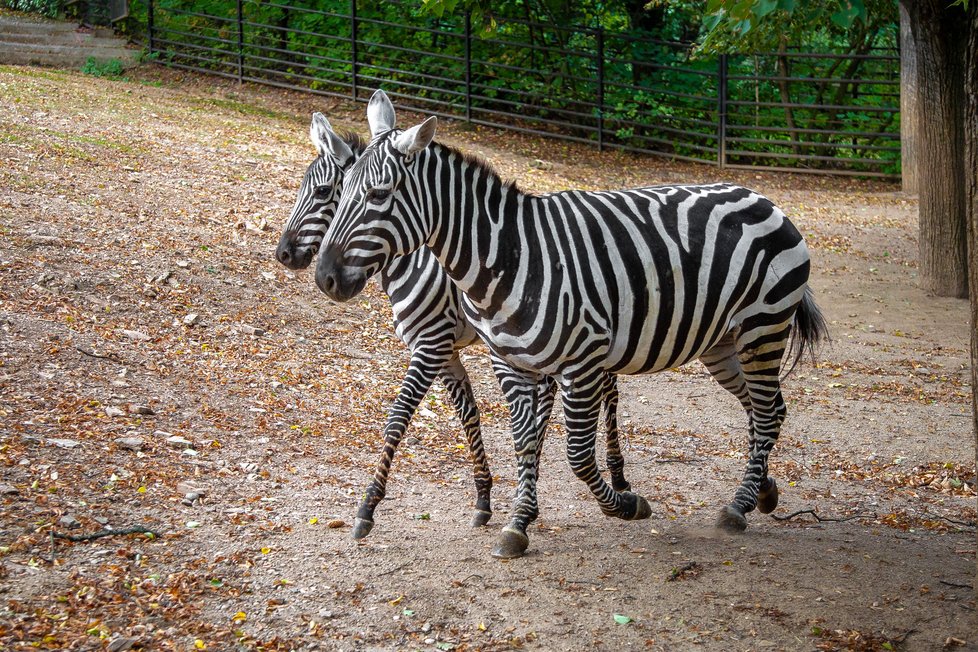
(428, 318)
(579, 285)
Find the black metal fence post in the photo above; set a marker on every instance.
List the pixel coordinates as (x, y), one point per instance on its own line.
(468, 66)
(353, 47)
(149, 25)
(600, 89)
(722, 111)
(240, 42)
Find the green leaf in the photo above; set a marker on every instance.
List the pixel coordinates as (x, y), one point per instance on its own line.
(764, 7)
(622, 619)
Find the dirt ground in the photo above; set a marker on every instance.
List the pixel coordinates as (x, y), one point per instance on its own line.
(151, 347)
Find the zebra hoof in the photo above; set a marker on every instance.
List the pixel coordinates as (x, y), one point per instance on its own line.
(512, 544)
(634, 507)
(732, 521)
(361, 528)
(481, 517)
(767, 497)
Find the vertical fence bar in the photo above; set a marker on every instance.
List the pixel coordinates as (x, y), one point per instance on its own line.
(468, 66)
(722, 111)
(240, 42)
(150, 10)
(600, 45)
(353, 46)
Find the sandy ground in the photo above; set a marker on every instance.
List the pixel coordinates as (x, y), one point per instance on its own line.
(138, 220)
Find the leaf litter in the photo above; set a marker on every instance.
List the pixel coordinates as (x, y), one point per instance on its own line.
(138, 222)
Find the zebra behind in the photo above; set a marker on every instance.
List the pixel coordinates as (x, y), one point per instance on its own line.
(427, 318)
(578, 285)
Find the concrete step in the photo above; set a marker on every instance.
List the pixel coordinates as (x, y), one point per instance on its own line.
(27, 54)
(69, 39)
(37, 41)
(38, 25)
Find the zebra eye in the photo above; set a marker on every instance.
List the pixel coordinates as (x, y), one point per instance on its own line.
(378, 195)
(322, 191)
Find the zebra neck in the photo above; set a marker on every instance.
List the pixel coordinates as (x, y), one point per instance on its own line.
(475, 225)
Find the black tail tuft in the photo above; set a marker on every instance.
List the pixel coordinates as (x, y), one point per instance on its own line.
(808, 332)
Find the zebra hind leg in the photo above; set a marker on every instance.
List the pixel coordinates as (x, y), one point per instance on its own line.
(421, 373)
(760, 362)
(722, 363)
(614, 458)
(456, 380)
(582, 406)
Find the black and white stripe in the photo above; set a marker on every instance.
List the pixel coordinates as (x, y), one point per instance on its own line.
(579, 285)
(428, 318)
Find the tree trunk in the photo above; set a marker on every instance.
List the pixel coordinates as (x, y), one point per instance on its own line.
(908, 102)
(971, 190)
(940, 36)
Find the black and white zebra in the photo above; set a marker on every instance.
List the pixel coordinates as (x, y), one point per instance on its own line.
(427, 318)
(579, 285)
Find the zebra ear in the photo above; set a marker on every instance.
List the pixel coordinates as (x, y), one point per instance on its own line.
(380, 113)
(416, 138)
(327, 142)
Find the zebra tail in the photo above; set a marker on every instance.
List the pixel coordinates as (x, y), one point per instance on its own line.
(808, 333)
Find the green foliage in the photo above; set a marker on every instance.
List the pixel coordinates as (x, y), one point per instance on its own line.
(47, 8)
(538, 59)
(110, 68)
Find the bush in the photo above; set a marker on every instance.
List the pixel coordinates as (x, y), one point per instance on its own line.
(111, 68)
(47, 8)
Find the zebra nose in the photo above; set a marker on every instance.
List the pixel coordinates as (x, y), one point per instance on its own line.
(283, 255)
(327, 282)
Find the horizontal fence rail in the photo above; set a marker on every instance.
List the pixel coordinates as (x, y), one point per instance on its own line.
(789, 110)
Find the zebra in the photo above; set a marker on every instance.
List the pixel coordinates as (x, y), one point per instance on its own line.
(578, 285)
(427, 318)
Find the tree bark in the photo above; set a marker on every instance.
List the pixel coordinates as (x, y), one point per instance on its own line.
(971, 190)
(940, 36)
(908, 102)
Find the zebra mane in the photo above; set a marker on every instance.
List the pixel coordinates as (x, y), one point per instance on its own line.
(356, 142)
(479, 162)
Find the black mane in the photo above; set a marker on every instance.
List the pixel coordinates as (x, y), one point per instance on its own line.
(355, 141)
(482, 165)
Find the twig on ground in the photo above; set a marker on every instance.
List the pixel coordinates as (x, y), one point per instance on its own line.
(112, 356)
(956, 584)
(820, 519)
(967, 524)
(136, 529)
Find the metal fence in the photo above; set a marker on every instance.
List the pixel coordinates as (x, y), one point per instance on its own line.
(790, 110)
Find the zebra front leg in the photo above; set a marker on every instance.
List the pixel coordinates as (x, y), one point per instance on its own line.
(614, 458)
(522, 393)
(546, 389)
(421, 373)
(582, 406)
(456, 380)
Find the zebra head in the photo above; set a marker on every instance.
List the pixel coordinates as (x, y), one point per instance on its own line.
(377, 217)
(318, 195)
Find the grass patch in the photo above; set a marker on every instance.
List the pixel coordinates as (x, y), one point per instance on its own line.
(242, 108)
(109, 68)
